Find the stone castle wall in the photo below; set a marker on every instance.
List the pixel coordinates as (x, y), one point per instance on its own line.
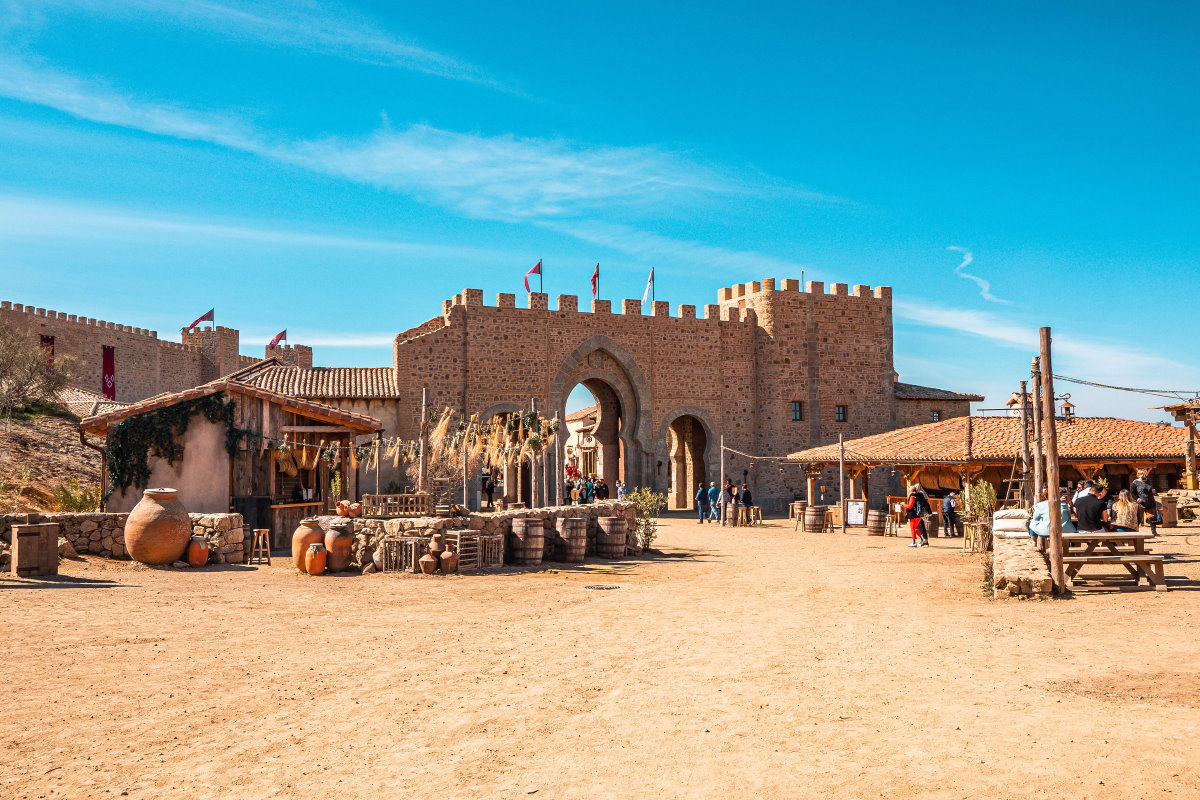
(145, 365)
(736, 369)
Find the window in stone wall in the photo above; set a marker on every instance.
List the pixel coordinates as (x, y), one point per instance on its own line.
(935, 416)
(839, 413)
(797, 411)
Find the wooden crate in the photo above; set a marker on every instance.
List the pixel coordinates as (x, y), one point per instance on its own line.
(491, 550)
(466, 544)
(35, 550)
(402, 553)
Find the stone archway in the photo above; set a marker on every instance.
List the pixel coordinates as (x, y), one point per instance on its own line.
(689, 442)
(622, 392)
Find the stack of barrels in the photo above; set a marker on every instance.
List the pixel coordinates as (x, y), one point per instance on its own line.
(610, 540)
(526, 543)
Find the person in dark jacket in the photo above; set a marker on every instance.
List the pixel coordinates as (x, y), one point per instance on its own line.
(702, 502)
(489, 489)
(950, 513)
(1143, 495)
(746, 498)
(916, 509)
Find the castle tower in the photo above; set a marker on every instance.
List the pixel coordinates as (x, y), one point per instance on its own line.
(292, 355)
(218, 350)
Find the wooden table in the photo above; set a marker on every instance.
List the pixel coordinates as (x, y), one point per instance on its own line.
(1103, 547)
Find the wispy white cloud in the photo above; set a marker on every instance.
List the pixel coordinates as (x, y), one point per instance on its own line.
(985, 286)
(651, 247)
(326, 28)
(22, 216)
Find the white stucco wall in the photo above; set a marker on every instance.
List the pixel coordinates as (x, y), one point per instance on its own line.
(202, 476)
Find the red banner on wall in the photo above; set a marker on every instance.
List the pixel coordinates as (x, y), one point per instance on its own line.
(48, 350)
(109, 378)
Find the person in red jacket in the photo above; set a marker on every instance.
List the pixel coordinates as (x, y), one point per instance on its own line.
(916, 508)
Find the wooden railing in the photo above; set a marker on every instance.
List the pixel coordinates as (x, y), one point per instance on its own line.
(397, 505)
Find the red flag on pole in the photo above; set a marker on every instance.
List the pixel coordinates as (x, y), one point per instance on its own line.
(279, 337)
(207, 316)
(536, 269)
(596, 282)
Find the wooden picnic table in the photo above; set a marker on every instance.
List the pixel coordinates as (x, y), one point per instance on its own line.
(1126, 548)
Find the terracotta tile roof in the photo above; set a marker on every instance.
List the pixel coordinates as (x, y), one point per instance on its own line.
(582, 413)
(99, 423)
(85, 403)
(911, 391)
(328, 382)
(998, 439)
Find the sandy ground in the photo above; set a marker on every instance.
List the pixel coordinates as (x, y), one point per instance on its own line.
(739, 663)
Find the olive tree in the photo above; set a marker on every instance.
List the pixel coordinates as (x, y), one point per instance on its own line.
(27, 377)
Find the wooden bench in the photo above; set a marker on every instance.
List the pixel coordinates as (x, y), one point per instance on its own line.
(1137, 564)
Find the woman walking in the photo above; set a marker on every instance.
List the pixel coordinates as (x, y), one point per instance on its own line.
(916, 508)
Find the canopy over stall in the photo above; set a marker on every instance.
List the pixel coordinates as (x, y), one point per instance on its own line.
(941, 455)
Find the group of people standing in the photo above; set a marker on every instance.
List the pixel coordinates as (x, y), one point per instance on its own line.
(1094, 509)
(714, 504)
(582, 490)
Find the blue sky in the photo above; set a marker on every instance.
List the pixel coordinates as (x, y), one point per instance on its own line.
(340, 168)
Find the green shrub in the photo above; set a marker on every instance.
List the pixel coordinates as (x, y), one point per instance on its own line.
(647, 505)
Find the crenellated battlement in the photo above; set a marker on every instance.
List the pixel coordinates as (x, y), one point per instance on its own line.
(569, 304)
(745, 291)
(59, 316)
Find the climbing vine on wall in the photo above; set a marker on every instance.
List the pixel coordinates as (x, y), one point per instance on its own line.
(134, 441)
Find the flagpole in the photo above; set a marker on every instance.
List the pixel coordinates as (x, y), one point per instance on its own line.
(541, 269)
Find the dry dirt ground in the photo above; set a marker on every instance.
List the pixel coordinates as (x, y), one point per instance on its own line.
(739, 663)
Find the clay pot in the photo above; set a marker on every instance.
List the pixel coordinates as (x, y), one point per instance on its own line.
(197, 551)
(315, 559)
(343, 508)
(436, 544)
(308, 532)
(356, 509)
(339, 542)
(449, 560)
(158, 528)
(429, 563)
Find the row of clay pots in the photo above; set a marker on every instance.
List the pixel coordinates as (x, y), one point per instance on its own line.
(440, 556)
(314, 551)
(347, 509)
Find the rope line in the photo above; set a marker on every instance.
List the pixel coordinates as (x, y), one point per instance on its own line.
(1171, 394)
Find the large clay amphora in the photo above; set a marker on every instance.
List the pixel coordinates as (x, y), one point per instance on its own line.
(315, 558)
(307, 532)
(339, 542)
(449, 560)
(158, 528)
(197, 551)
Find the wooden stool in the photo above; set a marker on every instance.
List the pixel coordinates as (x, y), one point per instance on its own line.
(742, 517)
(829, 526)
(755, 515)
(260, 548)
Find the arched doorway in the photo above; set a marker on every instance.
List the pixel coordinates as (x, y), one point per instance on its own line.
(593, 443)
(687, 443)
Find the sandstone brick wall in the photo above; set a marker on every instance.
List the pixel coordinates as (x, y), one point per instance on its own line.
(1018, 569)
(104, 534)
(918, 412)
(145, 365)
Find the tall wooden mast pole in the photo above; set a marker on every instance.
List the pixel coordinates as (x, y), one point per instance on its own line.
(1050, 442)
(421, 443)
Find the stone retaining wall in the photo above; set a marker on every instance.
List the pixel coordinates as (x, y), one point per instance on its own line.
(104, 534)
(1019, 569)
(368, 531)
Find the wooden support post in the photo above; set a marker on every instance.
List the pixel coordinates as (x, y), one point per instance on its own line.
(533, 468)
(1189, 457)
(1039, 458)
(421, 443)
(1027, 498)
(1050, 441)
(842, 478)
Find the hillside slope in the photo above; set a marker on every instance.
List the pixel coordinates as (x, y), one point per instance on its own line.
(38, 455)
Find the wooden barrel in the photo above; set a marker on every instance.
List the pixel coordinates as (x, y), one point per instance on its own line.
(610, 539)
(526, 542)
(572, 540)
(814, 519)
(931, 525)
(876, 522)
